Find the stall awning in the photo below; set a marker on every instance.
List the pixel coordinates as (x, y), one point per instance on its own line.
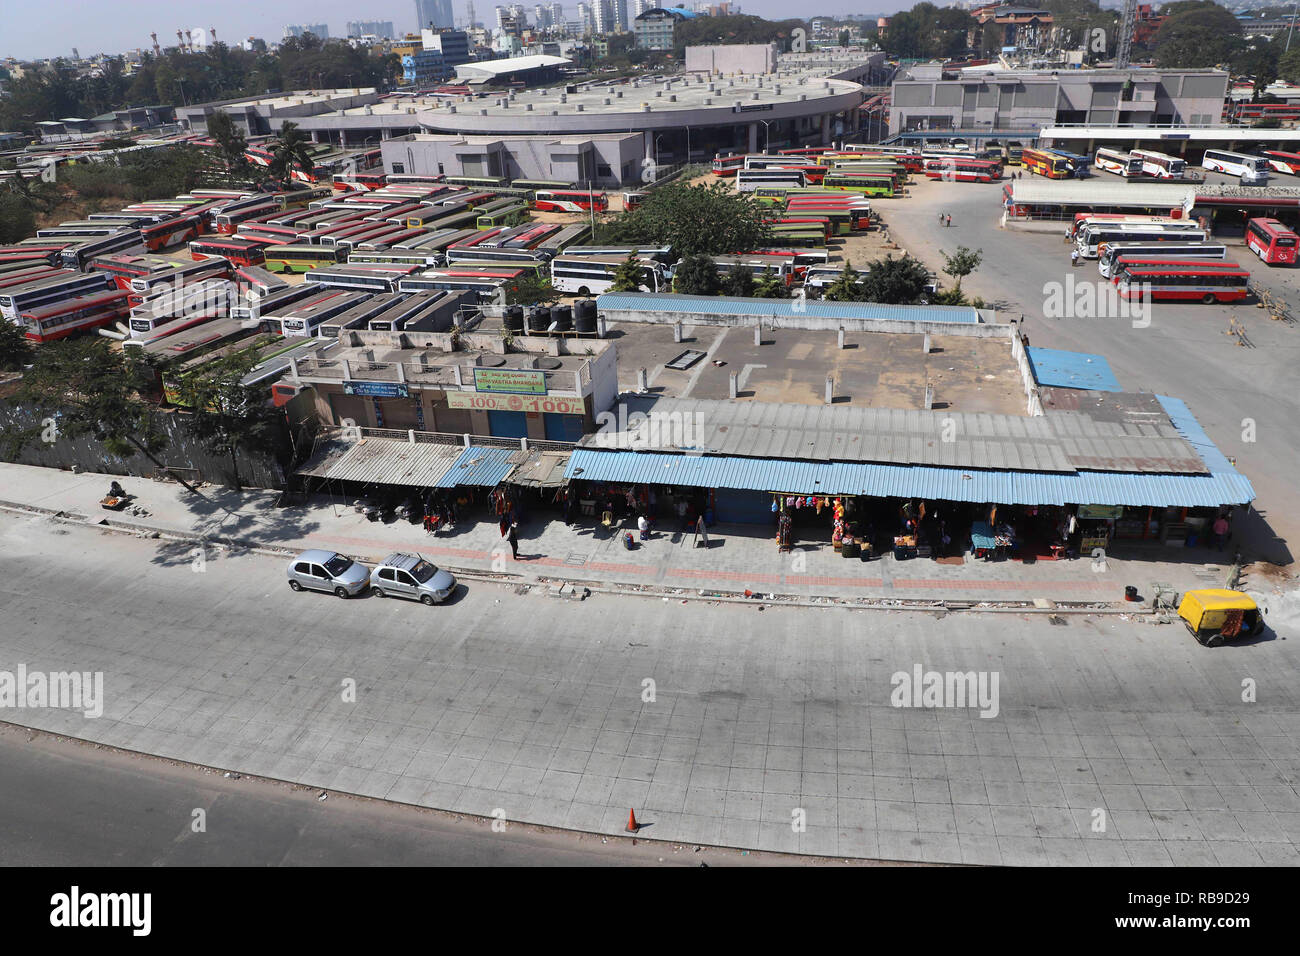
(480, 465)
(382, 461)
(542, 469)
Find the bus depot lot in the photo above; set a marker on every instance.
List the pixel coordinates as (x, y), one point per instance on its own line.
(1245, 397)
(536, 707)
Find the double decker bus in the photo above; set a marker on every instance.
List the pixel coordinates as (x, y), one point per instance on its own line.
(170, 232)
(59, 320)
(1252, 170)
(1090, 237)
(1110, 253)
(237, 250)
(1119, 162)
(1161, 165)
(301, 258)
(1046, 163)
(592, 275)
(951, 169)
(728, 165)
(560, 200)
(1190, 280)
(65, 284)
(1273, 242)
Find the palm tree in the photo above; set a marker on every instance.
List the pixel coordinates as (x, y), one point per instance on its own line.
(292, 150)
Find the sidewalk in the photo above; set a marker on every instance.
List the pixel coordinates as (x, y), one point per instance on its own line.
(739, 557)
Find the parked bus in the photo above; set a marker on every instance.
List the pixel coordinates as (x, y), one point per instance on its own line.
(1109, 253)
(506, 216)
(780, 266)
(1161, 165)
(170, 232)
(592, 275)
(256, 283)
(567, 236)
(264, 231)
(1252, 170)
(165, 329)
(1184, 281)
(65, 285)
(184, 274)
(58, 320)
(1119, 162)
(369, 278)
(1091, 237)
(177, 305)
(1083, 219)
(964, 170)
(228, 219)
(236, 250)
(1273, 242)
(484, 285)
(536, 184)
(301, 258)
(1280, 162)
(478, 182)
(357, 316)
(123, 267)
(1046, 163)
(728, 165)
(307, 316)
(80, 255)
(254, 307)
(1173, 260)
(558, 200)
(867, 184)
(469, 254)
(367, 180)
(747, 180)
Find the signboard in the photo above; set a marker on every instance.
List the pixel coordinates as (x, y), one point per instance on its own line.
(377, 389)
(1101, 511)
(510, 381)
(516, 403)
(751, 107)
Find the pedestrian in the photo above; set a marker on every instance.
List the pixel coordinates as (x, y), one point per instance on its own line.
(1220, 529)
(513, 538)
(504, 525)
(1074, 257)
(1068, 234)
(949, 221)
(643, 526)
(941, 219)
(701, 533)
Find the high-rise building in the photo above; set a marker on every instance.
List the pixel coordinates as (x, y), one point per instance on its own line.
(435, 13)
(469, 15)
(321, 31)
(586, 18)
(641, 6)
(620, 14)
(603, 16)
(377, 28)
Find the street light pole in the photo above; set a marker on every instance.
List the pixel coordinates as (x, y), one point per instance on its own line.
(767, 136)
(1291, 29)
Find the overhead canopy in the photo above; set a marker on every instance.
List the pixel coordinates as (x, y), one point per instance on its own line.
(480, 465)
(382, 461)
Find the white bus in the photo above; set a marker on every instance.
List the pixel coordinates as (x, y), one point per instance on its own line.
(1253, 170)
(1119, 162)
(1091, 237)
(747, 180)
(1160, 165)
(1108, 253)
(592, 275)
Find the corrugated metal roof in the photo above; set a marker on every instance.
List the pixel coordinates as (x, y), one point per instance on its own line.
(1073, 192)
(382, 461)
(1061, 369)
(945, 484)
(541, 469)
(479, 465)
(721, 305)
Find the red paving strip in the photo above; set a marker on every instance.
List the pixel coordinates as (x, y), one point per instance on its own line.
(616, 568)
(958, 585)
(837, 582)
(725, 575)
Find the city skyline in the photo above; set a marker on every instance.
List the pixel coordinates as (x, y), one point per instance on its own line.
(55, 28)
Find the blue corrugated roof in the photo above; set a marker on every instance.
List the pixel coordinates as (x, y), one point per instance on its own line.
(907, 481)
(735, 306)
(478, 465)
(1058, 369)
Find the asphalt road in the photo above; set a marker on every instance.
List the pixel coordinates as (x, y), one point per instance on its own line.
(1245, 398)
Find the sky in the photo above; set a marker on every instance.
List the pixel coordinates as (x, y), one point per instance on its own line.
(46, 28)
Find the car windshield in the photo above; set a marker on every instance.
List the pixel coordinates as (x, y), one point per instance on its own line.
(337, 565)
(423, 571)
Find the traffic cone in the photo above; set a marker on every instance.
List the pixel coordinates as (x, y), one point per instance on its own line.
(632, 825)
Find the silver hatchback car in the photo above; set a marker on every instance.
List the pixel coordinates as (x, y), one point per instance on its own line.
(409, 575)
(328, 571)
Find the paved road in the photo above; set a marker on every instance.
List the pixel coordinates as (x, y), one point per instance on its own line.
(1236, 393)
(756, 719)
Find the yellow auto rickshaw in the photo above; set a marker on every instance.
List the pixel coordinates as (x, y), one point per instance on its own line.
(1217, 615)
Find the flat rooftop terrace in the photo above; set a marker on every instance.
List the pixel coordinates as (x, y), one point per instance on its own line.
(875, 369)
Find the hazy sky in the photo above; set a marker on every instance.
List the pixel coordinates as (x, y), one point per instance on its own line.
(42, 28)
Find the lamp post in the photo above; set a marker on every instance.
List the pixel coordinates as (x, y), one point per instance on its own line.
(657, 139)
(1291, 29)
(767, 136)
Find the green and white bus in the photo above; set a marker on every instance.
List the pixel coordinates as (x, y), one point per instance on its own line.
(302, 258)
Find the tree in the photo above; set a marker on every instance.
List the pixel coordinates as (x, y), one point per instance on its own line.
(847, 286)
(15, 348)
(91, 389)
(895, 281)
(961, 263)
(738, 281)
(1197, 33)
(697, 275)
(628, 275)
(17, 218)
(531, 289)
(705, 220)
(226, 415)
(292, 150)
(1288, 65)
(769, 285)
(230, 165)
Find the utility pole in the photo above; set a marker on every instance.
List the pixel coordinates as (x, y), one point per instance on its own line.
(1127, 21)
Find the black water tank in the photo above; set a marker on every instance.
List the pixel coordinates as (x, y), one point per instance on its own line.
(584, 315)
(514, 319)
(539, 318)
(562, 317)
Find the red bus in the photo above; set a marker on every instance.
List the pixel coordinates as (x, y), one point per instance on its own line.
(237, 250)
(1173, 261)
(1282, 111)
(22, 276)
(123, 267)
(563, 200)
(805, 151)
(370, 180)
(267, 231)
(50, 322)
(1280, 162)
(170, 232)
(225, 222)
(1191, 279)
(1273, 242)
(728, 165)
(952, 169)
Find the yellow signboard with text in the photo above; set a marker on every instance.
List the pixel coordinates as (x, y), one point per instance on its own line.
(516, 403)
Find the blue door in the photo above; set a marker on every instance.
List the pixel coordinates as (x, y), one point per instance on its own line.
(562, 427)
(508, 424)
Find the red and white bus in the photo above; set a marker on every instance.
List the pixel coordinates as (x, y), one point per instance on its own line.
(1273, 242)
(353, 181)
(564, 200)
(57, 321)
(123, 267)
(227, 220)
(1280, 162)
(1192, 279)
(237, 250)
(952, 169)
(170, 232)
(728, 165)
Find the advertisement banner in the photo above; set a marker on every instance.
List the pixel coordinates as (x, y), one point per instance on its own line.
(510, 381)
(515, 403)
(377, 389)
